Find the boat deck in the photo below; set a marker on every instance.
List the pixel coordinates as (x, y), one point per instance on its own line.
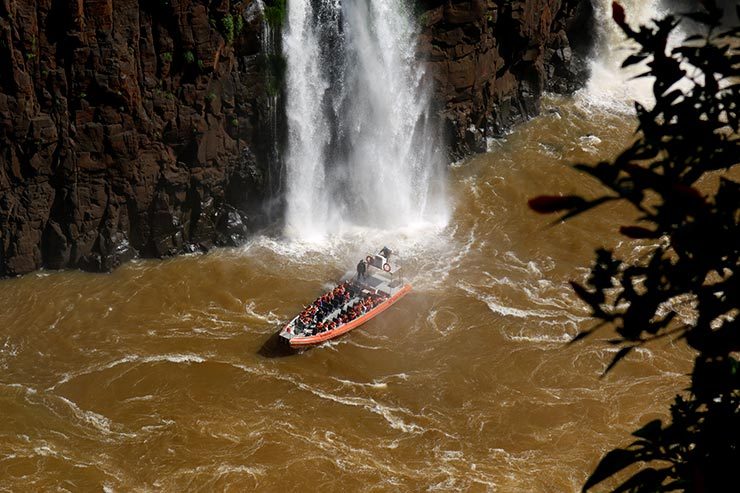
(376, 283)
(377, 279)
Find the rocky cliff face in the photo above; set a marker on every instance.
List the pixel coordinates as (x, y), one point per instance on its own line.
(147, 128)
(128, 128)
(490, 60)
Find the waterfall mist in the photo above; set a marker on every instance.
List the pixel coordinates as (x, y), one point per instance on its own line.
(611, 87)
(362, 148)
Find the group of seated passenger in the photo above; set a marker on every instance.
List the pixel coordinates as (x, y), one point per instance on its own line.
(350, 313)
(334, 299)
(367, 303)
(324, 305)
(313, 319)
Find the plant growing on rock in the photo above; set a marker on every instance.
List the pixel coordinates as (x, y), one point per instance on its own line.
(188, 57)
(275, 13)
(227, 25)
(239, 25)
(689, 134)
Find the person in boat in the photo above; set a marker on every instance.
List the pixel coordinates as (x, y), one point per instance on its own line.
(386, 252)
(361, 269)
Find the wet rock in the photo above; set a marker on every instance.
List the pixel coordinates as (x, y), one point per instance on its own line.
(134, 128)
(232, 228)
(490, 61)
(117, 129)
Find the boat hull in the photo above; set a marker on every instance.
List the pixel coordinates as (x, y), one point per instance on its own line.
(313, 340)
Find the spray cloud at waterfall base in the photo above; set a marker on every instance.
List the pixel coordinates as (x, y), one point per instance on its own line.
(363, 151)
(611, 87)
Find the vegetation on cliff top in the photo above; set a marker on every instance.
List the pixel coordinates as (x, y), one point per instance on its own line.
(688, 136)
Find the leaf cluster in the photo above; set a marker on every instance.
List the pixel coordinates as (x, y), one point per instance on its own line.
(275, 12)
(689, 133)
(227, 28)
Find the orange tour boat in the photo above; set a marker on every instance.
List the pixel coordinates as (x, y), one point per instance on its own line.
(359, 297)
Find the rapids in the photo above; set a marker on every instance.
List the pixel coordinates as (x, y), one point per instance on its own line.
(162, 375)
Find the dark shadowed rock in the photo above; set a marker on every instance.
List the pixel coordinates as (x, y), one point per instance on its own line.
(491, 60)
(139, 128)
(122, 129)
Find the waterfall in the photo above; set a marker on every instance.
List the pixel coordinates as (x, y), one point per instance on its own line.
(270, 49)
(610, 87)
(362, 149)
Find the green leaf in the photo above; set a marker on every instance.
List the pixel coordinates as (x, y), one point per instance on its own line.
(617, 358)
(646, 480)
(650, 431)
(612, 463)
(633, 60)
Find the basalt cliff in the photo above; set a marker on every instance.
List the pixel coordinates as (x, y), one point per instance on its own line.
(149, 128)
(491, 60)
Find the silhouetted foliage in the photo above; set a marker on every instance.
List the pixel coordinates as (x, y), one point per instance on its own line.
(690, 131)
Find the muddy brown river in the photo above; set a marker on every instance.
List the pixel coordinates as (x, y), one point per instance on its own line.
(162, 376)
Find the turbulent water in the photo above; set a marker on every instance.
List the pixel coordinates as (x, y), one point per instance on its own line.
(163, 375)
(160, 376)
(361, 151)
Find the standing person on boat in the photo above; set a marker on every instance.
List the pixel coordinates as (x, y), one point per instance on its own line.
(361, 269)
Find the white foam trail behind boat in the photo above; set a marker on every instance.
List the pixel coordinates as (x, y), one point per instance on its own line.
(361, 150)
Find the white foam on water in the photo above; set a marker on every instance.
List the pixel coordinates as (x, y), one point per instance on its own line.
(133, 358)
(353, 342)
(497, 307)
(372, 385)
(253, 471)
(443, 328)
(404, 240)
(610, 88)
(392, 415)
(271, 318)
(98, 421)
(536, 290)
(23, 388)
(562, 338)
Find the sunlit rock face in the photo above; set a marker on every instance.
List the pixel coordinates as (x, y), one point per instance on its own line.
(127, 128)
(491, 60)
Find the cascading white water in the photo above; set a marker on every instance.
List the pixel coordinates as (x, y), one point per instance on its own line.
(361, 150)
(610, 85)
